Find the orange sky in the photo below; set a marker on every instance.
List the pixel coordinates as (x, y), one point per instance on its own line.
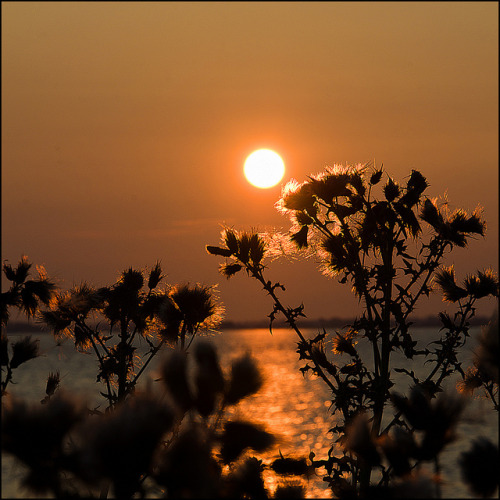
(125, 126)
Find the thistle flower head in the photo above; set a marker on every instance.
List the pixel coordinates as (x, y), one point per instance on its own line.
(229, 270)
(417, 182)
(173, 373)
(330, 185)
(247, 482)
(487, 353)
(56, 321)
(431, 214)
(251, 248)
(398, 447)
(52, 383)
(23, 350)
(461, 222)
(239, 435)
(21, 272)
(297, 196)
(131, 279)
(120, 444)
(344, 343)
(34, 432)
(483, 284)
(416, 408)
(230, 239)
(78, 301)
(479, 467)
(245, 380)
(189, 456)
(155, 276)
(391, 190)
(445, 279)
(209, 380)
(197, 305)
(445, 413)
(472, 380)
(359, 440)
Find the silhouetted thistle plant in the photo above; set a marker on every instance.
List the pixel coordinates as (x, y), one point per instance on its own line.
(175, 446)
(181, 445)
(36, 435)
(26, 295)
(484, 373)
(135, 310)
(479, 467)
(388, 240)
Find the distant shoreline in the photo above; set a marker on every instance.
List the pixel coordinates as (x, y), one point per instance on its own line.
(31, 327)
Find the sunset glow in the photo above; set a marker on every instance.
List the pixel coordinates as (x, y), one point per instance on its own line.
(264, 168)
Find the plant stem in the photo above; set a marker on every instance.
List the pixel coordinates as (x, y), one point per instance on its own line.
(257, 273)
(151, 356)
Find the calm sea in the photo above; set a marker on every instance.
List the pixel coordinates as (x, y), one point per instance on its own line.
(293, 407)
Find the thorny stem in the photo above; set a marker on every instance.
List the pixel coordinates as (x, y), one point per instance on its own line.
(359, 267)
(195, 331)
(439, 362)
(430, 265)
(101, 362)
(122, 361)
(257, 274)
(151, 356)
(7, 379)
(468, 308)
(489, 389)
(378, 409)
(183, 335)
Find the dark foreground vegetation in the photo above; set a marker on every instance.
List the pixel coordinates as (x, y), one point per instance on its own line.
(386, 240)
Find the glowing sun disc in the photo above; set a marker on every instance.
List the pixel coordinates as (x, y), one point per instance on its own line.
(264, 168)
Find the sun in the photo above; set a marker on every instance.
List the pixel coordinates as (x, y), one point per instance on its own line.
(264, 168)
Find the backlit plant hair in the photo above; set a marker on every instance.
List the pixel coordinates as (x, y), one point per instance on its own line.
(388, 240)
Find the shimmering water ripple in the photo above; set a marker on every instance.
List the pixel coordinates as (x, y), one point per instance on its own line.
(293, 407)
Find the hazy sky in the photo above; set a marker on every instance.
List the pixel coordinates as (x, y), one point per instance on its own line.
(125, 126)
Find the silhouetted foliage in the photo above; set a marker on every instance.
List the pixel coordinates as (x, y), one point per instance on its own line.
(26, 295)
(390, 248)
(176, 441)
(134, 309)
(179, 446)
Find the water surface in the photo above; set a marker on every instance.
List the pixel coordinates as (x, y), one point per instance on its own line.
(293, 407)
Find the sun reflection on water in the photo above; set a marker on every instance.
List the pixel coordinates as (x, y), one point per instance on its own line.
(292, 407)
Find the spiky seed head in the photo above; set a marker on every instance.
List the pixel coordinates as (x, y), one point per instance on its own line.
(295, 196)
(479, 467)
(132, 279)
(228, 270)
(239, 435)
(375, 177)
(24, 350)
(391, 190)
(430, 214)
(155, 276)
(300, 237)
(445, 279)
(417, 183)
(231, 240)
(173, 372)
(245, 380)
(224, 252)
(52, 383)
